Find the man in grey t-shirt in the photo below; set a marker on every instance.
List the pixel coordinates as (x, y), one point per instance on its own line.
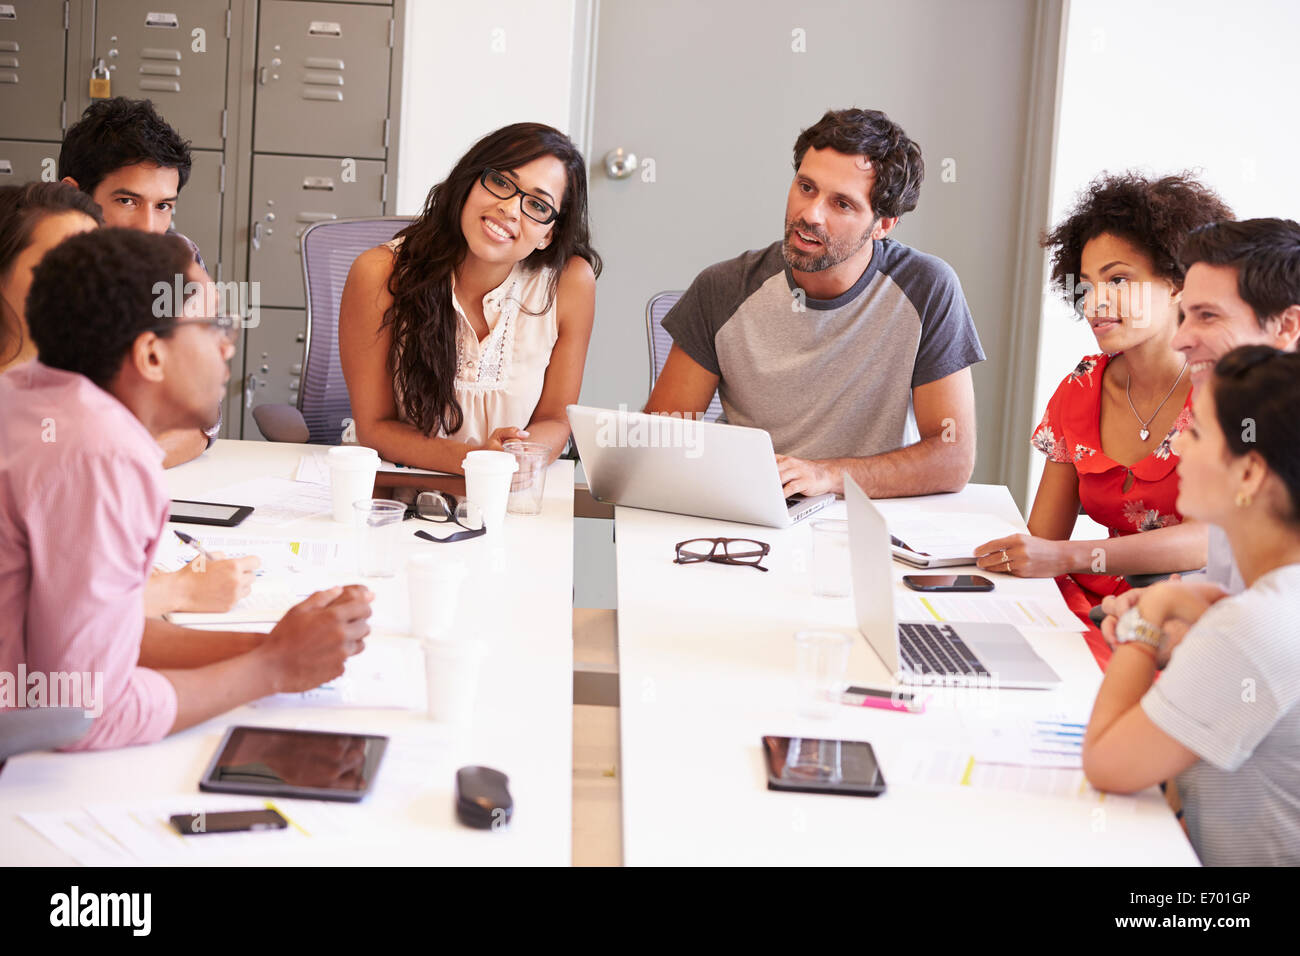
(851, 349)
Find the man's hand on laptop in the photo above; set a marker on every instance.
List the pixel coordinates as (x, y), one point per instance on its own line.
(801, 476)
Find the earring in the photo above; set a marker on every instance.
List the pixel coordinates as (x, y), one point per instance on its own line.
(1243, 500)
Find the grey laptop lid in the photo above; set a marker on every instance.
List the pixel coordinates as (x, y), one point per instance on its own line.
(683, 466)
(1001, 648)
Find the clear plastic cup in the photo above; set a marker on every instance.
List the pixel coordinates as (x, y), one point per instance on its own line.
(487, 484)
(434, 584)
(832, 569)
(352, 478)
(823, 667)
(529, 482)
(451, 670)
(376, 518)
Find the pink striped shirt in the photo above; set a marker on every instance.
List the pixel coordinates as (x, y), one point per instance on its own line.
(82, 507)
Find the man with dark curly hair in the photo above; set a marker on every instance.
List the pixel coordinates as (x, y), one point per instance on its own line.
(127, 158)
(851, 349)
(84, 503)
(1109, 427)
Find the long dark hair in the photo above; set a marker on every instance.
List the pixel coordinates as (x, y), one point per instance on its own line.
(21, 208)
(422, 318)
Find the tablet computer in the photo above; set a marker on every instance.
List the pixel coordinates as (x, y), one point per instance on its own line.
(307, 764)
(205, 512)
(812, 765)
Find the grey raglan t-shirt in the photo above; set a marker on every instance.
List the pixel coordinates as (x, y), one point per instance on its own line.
(1230, 694)
(827, 378)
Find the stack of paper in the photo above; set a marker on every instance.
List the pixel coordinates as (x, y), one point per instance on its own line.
(950, 534)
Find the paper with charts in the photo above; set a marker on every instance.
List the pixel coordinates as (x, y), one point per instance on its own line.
(291, 569)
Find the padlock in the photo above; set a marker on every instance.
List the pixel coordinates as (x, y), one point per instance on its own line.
(100, 82)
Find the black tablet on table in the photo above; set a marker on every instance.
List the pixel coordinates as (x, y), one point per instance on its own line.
(305, 764)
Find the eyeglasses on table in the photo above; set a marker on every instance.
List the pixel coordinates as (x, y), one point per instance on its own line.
(742, 551)
(442, 507)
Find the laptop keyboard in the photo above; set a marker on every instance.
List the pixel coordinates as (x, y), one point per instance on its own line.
(936, 649)
(791, 502)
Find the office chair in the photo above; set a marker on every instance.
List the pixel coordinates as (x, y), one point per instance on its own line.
(328, 251)
(661, 342)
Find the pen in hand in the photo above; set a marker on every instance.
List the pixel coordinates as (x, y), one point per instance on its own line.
(193, 542)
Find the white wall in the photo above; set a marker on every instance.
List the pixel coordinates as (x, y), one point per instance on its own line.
(473, 68)
(1197, 84)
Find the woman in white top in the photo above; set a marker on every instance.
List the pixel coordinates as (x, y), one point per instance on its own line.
(1223, 717)
(471, 327)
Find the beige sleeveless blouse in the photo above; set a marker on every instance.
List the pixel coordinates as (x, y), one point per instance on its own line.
(499, 379)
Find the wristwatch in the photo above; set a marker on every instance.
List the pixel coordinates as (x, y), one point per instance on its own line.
(1133, 628)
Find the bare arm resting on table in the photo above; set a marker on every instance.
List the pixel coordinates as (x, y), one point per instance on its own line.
(941, 461)
(1047, 551)
(307, 648)
(1123, 750)
(575, 315)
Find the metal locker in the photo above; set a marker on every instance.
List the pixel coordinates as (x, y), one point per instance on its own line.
(322, 79)
(289, 194)
(273, 355)
(24, 162)
(32, 38)
(198, 208)
(172, 52)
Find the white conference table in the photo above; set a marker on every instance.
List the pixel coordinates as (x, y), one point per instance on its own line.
(518, 601)
(707, 668)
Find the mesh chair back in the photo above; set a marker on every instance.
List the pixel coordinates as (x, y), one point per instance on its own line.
(661, 342)
(328, 251)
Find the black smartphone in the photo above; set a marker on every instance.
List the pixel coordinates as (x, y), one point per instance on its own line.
(229, 821)
(204, 512)
(947, 582)
(808, 765)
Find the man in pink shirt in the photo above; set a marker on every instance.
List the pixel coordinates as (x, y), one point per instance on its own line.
(83, 503)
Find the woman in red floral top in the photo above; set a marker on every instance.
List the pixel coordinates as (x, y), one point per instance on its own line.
(1108, 427)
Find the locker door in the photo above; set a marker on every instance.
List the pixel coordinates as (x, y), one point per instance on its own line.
(322, 79)
(273, 352)
(154, 52)
(289, 194)
(32, 38)
(24, 162)
(198, 209)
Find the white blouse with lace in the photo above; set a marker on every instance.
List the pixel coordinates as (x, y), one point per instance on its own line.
(499, 378)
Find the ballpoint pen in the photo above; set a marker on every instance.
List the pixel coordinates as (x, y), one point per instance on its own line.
(193, 542)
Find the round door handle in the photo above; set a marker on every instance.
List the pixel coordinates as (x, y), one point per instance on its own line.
(619, 163)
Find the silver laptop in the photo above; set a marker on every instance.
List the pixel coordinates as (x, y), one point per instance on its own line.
(685, 466)
(929, 652)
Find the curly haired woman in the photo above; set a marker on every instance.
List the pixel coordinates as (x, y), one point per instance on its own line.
(1108, 428)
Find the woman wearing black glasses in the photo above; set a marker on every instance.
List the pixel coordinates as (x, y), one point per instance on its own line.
(471, 327)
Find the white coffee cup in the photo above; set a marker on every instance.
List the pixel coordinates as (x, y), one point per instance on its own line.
(434, 584)
(451, 669)
(352, 477)
(487, 484)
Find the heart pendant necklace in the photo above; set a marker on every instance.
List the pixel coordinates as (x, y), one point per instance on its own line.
(1144, 432)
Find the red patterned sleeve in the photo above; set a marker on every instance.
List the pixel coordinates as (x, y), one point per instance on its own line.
(1048, 437)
